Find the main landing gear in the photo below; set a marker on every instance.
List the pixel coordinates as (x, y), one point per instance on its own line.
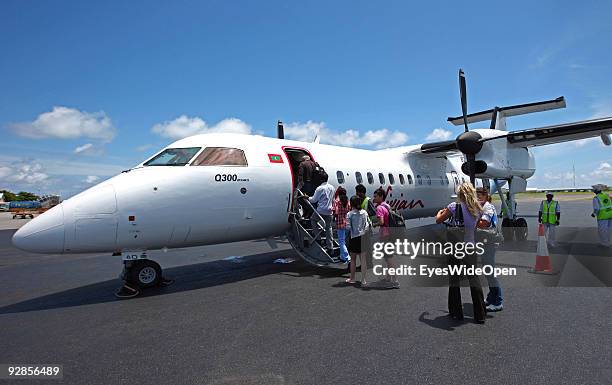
(141, 274)
(514, 229)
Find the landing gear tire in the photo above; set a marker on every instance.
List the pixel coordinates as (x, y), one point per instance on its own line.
(144, 273)
(520, 229)
(508, 230)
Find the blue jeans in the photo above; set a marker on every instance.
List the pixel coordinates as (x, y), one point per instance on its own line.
(495, 292)
(342, 235)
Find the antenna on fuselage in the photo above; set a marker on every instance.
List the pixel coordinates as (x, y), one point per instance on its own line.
(280, 130)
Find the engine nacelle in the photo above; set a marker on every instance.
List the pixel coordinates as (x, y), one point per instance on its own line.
(499, 159)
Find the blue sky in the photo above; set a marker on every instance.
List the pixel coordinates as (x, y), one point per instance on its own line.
(90, 88)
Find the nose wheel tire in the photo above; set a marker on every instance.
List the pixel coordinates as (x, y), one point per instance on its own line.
(144, 273)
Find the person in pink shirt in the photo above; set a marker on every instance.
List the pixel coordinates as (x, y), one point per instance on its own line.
(382, 216)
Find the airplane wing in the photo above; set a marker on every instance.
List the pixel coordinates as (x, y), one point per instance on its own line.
(562, 133)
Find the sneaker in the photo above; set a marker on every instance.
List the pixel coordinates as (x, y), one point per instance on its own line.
(395, 285)
(494, 308)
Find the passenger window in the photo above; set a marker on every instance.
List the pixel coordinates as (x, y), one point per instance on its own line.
(402, 181)
(447, 181)
(221, 156)
(381, 178)
(428, 180)
(370, 178)
(409, 178)
(340, 176)
(419, 180)
(391, 179)
(173, 157)
(358, 177)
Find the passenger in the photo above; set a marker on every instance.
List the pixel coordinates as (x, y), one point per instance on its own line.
(360, 191)
(494, 300)
(357, 223)
(305, 170)
(323, 197)
(340, 208)
(602, 210)
(382, 216)
(470, 210)
(549, 215)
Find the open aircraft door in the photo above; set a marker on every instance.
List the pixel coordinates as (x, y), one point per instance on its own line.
(307, 236)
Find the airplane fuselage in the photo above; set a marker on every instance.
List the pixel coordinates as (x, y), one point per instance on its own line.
(157, 206)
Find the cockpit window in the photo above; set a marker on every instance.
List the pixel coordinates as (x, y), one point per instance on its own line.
(221, 156)
(173, 157)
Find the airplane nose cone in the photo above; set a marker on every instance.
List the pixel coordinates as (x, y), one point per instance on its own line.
(43, 234)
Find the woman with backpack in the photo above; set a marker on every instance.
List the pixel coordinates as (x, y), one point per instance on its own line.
(383, 214)
(465, 213)
(340, 208)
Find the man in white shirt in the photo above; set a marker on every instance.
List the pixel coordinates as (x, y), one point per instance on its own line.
(323, 197)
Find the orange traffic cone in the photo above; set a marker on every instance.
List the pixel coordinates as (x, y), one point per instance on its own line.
(543, 264)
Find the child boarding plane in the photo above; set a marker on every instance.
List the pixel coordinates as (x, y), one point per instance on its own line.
(216, 188)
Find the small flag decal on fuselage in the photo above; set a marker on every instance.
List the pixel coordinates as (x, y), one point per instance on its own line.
(275, 158)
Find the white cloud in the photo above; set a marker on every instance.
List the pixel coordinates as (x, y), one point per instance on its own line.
(439, 134)
(603, 171)
(382, 138)
(4, 171)
(185, 126)
(91, 179)
(84, 148)
(68, 123)
(24, 173)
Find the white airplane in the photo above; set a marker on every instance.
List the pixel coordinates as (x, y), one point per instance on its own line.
(216, 188)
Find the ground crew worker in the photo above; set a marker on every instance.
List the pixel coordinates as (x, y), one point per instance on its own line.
(602, 210)
(549, 215)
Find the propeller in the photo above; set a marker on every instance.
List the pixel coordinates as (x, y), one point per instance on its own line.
(468, 142)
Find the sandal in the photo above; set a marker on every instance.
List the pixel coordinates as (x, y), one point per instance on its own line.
(348, 280)
(126, 292)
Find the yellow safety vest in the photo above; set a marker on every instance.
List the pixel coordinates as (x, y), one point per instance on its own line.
(549, 212)
(605, 207)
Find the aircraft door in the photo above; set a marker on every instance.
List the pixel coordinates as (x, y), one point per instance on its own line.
(294, 156)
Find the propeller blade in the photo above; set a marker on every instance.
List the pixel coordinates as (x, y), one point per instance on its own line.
(463, 92)
(494, 118)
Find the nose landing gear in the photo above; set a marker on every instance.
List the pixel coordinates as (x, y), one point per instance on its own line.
(140, 274)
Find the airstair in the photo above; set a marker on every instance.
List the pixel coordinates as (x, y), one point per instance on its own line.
(309, 241)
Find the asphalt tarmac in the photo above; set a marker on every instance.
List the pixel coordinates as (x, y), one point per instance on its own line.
(236, 317)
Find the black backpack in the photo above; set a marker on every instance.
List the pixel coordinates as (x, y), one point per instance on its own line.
(317, 172)
(395, 219)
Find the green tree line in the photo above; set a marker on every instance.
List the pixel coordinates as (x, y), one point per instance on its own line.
(20, 196)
